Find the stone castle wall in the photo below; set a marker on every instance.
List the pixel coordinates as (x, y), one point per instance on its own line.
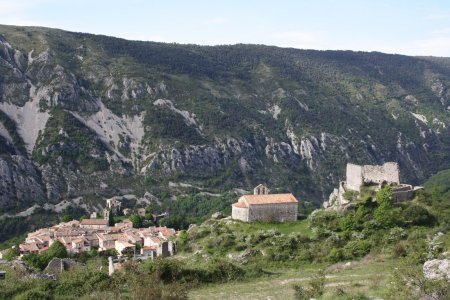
(354, 177)
(357, 175)
(388, 172)
(280, 212)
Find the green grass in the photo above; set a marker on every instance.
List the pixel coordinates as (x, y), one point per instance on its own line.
(368, 277)
(284, 228)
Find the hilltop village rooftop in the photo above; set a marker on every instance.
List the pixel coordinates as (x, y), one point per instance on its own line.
(96, 234)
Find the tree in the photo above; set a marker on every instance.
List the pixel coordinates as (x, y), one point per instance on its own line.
(12, 253)
(137, 221)
(41, 261)
(57, 249)
(417, 215)
(66, 218)
(384, 197)
(111, 218)
(149, 212)
(384, 213)
(149, 209)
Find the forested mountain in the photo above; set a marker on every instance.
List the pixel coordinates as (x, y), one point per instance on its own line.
(92, 116)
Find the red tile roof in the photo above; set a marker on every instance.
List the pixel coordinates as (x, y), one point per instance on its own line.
(94, 222)
(240, 205)
(267, 199)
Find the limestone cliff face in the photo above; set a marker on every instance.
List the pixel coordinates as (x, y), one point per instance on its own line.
(93, 116)
(19, 182)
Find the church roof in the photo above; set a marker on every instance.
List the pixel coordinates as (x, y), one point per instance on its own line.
(240, 205)
(266, 199)
(94, 222)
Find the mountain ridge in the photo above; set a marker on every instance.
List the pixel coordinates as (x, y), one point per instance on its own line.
(85, 111)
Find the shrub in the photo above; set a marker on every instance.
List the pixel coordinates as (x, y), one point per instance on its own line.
(315, 288)
(35, 294)
(11, 253)
(399, 250)
(396, 234)
(356, 249)
(418, 215)
(348, 223)
(350, 195)
(384, 213)
(328, 220)
(335, 255)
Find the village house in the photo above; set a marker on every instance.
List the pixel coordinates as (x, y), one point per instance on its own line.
(113, 205)
(107, 241)
(94, 224)
(122, 247)
(80, 244)
(149, 252)
(265, 207)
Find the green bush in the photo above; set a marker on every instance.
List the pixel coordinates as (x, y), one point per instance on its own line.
(418, 215)
(11, 253)
(35, 294)
(335, 255)
(325, 219)
(356, 249)
(40, 261)
(348, 223)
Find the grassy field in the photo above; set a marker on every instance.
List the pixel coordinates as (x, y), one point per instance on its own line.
(368, 277)
(284, 228)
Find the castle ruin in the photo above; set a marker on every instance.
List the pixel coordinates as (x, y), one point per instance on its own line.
(359, 175)
(356, 176)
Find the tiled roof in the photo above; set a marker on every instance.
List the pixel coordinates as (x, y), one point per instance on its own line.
(268, 199)
(240, 205)
(109, 237)
(94, 222)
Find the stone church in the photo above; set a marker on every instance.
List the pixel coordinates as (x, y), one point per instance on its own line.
(265, 207)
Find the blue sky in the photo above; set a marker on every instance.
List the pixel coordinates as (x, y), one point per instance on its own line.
(411, 27)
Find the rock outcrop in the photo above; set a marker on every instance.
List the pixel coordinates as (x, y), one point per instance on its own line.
(437, 269)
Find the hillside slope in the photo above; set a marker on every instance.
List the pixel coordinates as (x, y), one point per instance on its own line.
(93, 116)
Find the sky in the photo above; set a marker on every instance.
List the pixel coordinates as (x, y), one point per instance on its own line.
(411, 27)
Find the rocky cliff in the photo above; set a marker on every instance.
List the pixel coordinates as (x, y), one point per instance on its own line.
(93, 116)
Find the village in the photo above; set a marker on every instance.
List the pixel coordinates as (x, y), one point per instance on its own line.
(96, 233)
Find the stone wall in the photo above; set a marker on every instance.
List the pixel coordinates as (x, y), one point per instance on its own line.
(357, 175)
(280, 212)
(354, 177)
(388, 172)
(402, 192)
(239, 213)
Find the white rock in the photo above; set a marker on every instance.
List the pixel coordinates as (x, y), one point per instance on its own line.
(437, 269)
